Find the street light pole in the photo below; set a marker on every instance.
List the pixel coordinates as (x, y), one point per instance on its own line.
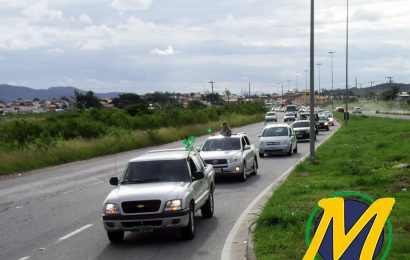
(331, 61)
(312, 82)
(212, 87)
(318, 66)
(347, 60)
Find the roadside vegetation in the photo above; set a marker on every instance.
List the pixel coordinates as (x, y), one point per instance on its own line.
(362, 157)
(33, 142)
(377, 106)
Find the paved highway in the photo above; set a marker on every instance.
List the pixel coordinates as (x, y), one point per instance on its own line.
(54, 213)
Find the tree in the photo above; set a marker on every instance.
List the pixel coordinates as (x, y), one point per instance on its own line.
(128, 99)
(195, 105)
(87, 100)
(391, 93)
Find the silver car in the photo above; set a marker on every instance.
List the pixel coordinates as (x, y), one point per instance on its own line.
(271, 117)
(233, 155)
(278, 138)
(302, 129)
(159, 190)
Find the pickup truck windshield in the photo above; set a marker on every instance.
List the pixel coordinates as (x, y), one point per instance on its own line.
(156, 171)
(222, 144)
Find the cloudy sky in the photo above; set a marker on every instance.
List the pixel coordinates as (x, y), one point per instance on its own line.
(180, 45)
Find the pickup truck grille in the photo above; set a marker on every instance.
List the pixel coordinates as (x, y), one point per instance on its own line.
(141, 206)
(216, 161)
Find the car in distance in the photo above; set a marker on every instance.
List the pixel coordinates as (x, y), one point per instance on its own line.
(292, 109)
(276, 139)
(357, 110)
(159, 190)
(271, 117)
(302, 129)
(323, 123)
(330, 118)
(339, 109)
(230, 155)
(289, 119)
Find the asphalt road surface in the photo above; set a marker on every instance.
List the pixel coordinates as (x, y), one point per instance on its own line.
(54, 213)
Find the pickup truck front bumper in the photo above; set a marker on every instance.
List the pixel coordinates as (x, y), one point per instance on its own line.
(142, 223)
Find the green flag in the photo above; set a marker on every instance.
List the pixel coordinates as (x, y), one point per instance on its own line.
(189, 142)
(209, 130)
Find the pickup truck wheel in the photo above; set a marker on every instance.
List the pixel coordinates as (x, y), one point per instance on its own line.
(261, 155)
(255, 167)
(207, 209)
(115, 236)
(296, 149)
(188, 232)
(242, 177)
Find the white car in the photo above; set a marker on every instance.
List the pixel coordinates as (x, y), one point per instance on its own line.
(271, 117)
(357, 110)
(276, 139)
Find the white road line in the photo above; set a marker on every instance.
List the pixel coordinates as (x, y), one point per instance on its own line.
(24, 258)
(74, 232)
(226, 251)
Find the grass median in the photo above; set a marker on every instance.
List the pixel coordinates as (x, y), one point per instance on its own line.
(65, 151)
(361, 157)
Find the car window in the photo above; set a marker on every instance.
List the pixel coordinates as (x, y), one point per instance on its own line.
(198, 165)
(156, 171)
(247, 140)
(275, 131)
(222, 144)
(243, 142)
(301, 124)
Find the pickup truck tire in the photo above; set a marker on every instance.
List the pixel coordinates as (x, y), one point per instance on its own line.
(290, 152)
(296, 149)
(261, 155)
(242, 176)
(207, 209)
(188, 232)
(115, 236)
(255, 167)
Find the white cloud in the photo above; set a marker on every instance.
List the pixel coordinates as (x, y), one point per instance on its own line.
(85, 19)
(128, 5)
(40, 10)
(168, 51)
(55, 51)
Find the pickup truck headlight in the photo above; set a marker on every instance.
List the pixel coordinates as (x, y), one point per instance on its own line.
(173, 205)
(326, 123)
(236, 158)
(112, 209)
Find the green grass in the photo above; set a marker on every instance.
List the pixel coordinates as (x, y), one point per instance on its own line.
(64, 151)
(376, 106)
(359, 157)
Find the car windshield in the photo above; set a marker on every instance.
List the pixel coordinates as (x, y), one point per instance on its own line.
(270, 114)
(156, 171)
(222, 144)
(301, 124)
(322, 117)
(291, 109)
(289, 119)
(275, 131)
(289, 114)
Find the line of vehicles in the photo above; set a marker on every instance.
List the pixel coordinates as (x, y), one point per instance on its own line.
(163, 189)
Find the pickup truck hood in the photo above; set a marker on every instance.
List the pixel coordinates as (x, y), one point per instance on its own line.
(147, 191)
(218, 154)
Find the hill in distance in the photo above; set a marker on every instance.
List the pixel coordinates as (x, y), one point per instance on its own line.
(9, 93)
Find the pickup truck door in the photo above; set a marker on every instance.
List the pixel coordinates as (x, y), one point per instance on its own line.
(200, 186)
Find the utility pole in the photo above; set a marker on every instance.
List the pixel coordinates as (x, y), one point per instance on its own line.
(331, 59)
(282, 93)
(318, 66)
(306, 71)
(371, 83)
(296, 82)
(212, 87)
(249, 89)
(391, 87)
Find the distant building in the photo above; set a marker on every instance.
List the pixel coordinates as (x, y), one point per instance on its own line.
(403, 96)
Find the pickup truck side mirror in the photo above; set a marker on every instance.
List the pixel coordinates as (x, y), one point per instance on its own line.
(198, 175)
(198, 148)
(247, 147)
(114, 181)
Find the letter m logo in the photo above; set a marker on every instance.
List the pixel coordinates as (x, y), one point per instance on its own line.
(334, 209)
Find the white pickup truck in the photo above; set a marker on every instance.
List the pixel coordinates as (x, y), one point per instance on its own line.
(158, 190)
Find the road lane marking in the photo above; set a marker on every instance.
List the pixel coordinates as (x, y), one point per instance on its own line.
(226, 251)
(75, 232)
(24, 258)
(83, 187)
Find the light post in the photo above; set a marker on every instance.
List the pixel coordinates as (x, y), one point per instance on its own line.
(331, 61)
(318, 66)
(347, 61)
(312, 82)
(212, 87)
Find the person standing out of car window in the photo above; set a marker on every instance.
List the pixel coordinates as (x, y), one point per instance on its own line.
(226, 130)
